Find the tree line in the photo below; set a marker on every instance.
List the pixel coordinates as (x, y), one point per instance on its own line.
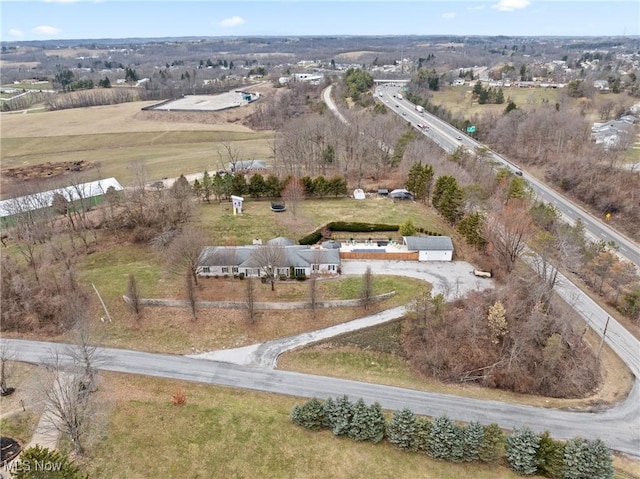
(441, 438)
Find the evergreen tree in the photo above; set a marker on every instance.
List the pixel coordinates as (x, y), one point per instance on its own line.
(499, 97)
(401, 429)
(273, 186)
(377, 423)
(483, 98)
(520, 450)
(407, 228)
(448, 198)
(422, 434)
(257, 185)
(320, 186)
(339, 416)
(62, 468)
(329, 413)
(492, 443)
(207, 186)
(473, 434)
(471, 227)
(420, 181)
(338, 186)
(310, 415)
(358, 428)
(368, 422)
(197, 188)
(307, 182)
(510, 106)
(477, 88)
(550, 456)
(443, 439)
(238, 185)
(587, 459)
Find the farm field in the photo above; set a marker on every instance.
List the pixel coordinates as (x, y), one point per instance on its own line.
(113, 137)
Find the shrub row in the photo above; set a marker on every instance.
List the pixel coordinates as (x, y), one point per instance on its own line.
(355, 227)
(441, 438)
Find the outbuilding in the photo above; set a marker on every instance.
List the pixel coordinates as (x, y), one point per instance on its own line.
(430, 248)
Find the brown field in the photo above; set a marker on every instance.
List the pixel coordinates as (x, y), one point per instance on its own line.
(112, 137)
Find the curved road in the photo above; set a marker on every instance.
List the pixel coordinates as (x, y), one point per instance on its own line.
(618, 426)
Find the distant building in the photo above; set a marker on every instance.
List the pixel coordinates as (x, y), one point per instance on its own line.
(247, 166)
(84, 195)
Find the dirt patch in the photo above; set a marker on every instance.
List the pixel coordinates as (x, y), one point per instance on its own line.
(47, 170)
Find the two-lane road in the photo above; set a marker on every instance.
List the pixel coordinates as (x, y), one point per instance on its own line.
(617, 426)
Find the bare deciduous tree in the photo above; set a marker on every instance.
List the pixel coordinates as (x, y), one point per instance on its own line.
(190, 290)
(269, 258)
(6, 355)
(68, 405)
(293, 193)
(250, 300)
(184, 252)
(366, 288)
(508, 229)
(134, 296)
(313, 295)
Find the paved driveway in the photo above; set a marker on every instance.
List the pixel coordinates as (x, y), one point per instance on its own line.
(451, 278)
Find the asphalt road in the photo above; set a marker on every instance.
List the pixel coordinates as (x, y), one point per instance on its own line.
(446, 135)
(617, 426)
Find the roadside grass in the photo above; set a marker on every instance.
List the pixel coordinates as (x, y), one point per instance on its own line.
(376, 355)
(224, 432)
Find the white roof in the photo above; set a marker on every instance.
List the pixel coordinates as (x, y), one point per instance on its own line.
(44, 199)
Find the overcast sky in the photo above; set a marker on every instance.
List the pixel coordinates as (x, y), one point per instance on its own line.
(90, 19)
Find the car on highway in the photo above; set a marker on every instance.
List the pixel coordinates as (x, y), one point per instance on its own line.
(518, 173)
(459, 138)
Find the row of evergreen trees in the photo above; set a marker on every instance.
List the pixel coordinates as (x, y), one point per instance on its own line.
(441, 438)
(222, 186)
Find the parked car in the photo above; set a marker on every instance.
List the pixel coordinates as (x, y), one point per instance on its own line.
(401, 194)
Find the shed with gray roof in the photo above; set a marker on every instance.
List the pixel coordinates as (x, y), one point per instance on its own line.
(430, 248)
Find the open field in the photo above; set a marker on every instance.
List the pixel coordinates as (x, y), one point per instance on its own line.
(222, 432)
(458, 100)
(114, 136)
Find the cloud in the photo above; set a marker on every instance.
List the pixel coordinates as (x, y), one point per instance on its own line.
(232, 22)
(45, 30)
(449, 15)
(15, 33)
(509, 5)
(476, 7)
(61, 1)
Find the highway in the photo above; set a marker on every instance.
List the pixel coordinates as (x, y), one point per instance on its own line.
(446, 136)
